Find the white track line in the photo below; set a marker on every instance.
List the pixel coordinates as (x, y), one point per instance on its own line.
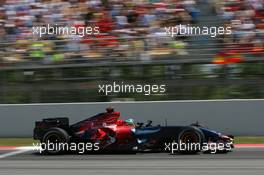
(19, 150)
(13, 153)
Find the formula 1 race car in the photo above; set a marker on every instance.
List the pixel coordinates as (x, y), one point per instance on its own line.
(106, 132)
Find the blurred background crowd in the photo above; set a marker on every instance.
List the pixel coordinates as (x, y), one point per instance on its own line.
(246, 18)
(132, 46)
(128, 28)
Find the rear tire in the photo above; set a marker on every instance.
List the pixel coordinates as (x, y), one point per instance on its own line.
(54, 137)
(191, 140)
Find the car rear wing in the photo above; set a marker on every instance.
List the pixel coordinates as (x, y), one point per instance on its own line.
(42, 126)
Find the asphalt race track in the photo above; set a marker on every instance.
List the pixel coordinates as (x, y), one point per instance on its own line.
(242, 161)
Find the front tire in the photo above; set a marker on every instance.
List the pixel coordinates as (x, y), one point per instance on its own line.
(190, 140)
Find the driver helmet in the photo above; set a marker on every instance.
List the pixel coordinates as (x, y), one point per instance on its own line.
(130, 122)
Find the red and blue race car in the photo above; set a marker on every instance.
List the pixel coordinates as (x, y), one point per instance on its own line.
(109, 133)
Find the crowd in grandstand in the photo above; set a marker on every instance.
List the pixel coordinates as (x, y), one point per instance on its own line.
(127, 28)
(246, 17)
